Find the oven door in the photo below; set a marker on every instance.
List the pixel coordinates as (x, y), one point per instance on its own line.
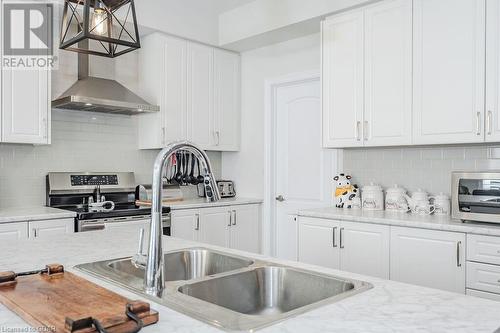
(476, 196)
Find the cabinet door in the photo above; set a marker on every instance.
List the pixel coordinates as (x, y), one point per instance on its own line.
(174, 90)
(365, 249)
(200, 93)
(215, 225)
(227, 100)
(50, 228)
(428, 258)
(492, 125)
(388, 73)
(319, 242)
(449, 71)
(162, 80)
(13, 231)
(25, 106)
(245, 228)
(185, 224)
(342, 79)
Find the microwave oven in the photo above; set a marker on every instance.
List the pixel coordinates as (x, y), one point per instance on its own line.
(476, 196)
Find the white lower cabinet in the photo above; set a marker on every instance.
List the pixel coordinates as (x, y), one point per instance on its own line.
(318, 242)
(355, 247)
(236, 227)
(365, 249)
(483, 266)
(429, 258)
(13, 231)
(185, 224)
(48, 228)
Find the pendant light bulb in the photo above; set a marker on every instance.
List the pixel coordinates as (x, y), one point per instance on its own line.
(100, 19)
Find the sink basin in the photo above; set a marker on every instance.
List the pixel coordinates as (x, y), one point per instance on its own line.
(228, 291)
(187, 264)
(267, 291)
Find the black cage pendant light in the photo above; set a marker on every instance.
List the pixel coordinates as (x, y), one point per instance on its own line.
(105, 28)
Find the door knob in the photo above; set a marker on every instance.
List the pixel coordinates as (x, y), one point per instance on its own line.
(280, 198)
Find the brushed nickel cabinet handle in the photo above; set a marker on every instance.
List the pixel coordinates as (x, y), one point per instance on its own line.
(163, 135)
(234, 217)
(358, 131)
(230, 218)
(197, 227)
(478, 123)
(459, 264)
(365, 130)
(489, 121)
(334, 232)
(341, 238)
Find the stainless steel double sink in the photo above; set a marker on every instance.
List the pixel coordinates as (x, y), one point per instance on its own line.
(229, 291)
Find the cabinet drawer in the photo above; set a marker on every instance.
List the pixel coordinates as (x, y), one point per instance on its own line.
(483, 294)
(483, 277)
(483, 249)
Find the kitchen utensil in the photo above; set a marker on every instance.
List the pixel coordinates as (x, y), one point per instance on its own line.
(178, 175)
(200, 178)
(46, 298)
(372, 197)
(395, 199)
(190, 178)
(185, 176)
(442, 204)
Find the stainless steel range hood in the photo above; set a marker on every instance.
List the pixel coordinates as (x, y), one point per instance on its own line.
(100, 95)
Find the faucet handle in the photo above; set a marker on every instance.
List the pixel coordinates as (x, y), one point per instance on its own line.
(141, 241)
(139, 259)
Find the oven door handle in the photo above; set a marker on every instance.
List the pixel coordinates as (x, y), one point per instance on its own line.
(92, 226)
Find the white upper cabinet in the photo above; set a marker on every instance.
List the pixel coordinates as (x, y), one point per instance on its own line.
(449, 71)
(342, 59)
(388, 73)
(227, 100)
(25, 106)
(492, 116)
(198, 90)
(367, 82)
(162, 80)
(200, 95)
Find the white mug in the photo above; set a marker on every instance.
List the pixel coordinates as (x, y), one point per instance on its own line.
(423, 208)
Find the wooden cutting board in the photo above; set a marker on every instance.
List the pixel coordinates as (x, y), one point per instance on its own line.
(45, 302)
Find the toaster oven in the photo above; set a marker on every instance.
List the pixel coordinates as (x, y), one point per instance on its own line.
(476, 196)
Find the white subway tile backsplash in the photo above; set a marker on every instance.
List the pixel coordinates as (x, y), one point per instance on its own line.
(428, 168)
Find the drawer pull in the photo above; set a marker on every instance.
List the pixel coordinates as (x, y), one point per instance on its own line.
(459, 264)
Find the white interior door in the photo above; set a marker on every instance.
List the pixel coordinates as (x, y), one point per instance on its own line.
(303, 170)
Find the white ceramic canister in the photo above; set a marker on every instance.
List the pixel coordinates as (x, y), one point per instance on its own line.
(420, 203)
(442, 204)
(395, 199)
(372, 197)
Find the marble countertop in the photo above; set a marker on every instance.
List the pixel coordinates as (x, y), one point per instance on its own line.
(19, 214)
(202, 203)
(436, 222)
(389, 307)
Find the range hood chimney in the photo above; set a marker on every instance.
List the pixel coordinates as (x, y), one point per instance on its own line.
(100, 95)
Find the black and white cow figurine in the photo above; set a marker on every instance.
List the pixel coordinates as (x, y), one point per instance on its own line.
(345, 192)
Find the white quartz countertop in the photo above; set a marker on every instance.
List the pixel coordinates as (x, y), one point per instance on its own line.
(389, 307)
(202, 203)
(436, 222)
(19, 214)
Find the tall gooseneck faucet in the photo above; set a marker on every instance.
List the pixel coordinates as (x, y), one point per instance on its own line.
(154, 279)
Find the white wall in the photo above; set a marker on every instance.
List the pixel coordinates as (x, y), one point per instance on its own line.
(428, 168)
(246, 167)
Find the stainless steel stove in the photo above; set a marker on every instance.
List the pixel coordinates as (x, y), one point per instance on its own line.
(100, 199)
